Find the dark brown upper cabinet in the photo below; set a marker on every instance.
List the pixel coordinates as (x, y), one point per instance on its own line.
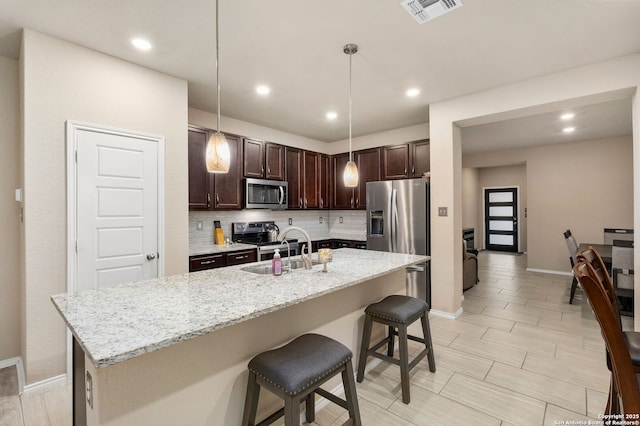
(308, 177)
(368, 162)
(274, 161)
(294, 177)
(420, 157)
(406, 160)
(213, 191)
(263, 160)
(395, 162)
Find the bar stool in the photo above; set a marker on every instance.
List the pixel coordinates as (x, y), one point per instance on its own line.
(294, 372)
(397, 312)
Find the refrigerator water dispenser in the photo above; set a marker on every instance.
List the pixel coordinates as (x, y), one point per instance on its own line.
(376, 217)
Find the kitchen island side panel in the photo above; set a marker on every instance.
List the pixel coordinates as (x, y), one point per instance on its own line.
(202, 381)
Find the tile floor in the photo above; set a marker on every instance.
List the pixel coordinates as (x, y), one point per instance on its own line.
(519, 355)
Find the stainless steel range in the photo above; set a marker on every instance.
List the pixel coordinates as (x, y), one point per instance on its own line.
(258, 233)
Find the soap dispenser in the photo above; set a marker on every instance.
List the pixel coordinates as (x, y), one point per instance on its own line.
(276, 263)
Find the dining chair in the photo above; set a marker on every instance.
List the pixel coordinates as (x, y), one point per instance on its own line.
(625, 393)
(611, 234)
(622, 273)
(572, 246)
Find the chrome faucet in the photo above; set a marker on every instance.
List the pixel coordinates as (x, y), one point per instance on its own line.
(287, 268)
(306, 258)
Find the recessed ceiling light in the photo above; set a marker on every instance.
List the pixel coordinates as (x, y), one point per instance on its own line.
(263, 90)
(141, 44)
(569, 129)
(567, 116)
(332, 115)
(412, 93)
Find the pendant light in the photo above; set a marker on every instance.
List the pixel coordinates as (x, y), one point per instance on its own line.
(350, 175)
(217, 155)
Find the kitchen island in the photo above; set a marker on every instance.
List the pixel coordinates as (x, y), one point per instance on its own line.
(174, 350)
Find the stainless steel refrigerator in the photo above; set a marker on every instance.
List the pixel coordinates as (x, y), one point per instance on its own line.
(398, 221)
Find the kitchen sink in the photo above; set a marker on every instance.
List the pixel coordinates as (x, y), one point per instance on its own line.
(266, 269)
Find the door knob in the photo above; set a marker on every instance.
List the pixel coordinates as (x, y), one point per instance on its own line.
(151, 256)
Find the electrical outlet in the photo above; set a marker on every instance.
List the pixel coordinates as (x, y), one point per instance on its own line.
(89, 389)
(290, 221)
(199, 225)
(340, 219)
(320, 219)
(442, 211)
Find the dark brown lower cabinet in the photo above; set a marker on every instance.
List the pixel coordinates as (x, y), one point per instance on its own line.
(203, 262)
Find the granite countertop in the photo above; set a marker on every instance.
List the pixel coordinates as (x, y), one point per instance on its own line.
(114, 324)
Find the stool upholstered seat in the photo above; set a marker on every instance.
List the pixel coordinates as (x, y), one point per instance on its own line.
(302, 363)
(397, 312)
(401, 309)
(294, 372)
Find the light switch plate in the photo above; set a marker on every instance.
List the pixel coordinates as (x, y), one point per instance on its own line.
(442, 211)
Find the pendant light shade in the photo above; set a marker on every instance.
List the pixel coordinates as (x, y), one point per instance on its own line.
(217, 155)
(350, 175)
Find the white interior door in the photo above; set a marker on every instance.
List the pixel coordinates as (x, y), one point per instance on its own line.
(117, 208)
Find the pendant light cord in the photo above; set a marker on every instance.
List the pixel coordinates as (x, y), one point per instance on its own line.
(217, 70)
(350, 152)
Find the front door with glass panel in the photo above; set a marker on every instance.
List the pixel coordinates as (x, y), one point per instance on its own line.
(501, 219)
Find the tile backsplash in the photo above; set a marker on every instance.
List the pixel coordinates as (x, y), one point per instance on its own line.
(346, 224)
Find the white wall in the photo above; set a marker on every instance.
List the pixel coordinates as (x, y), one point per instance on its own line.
(391, 137)
(471, 203)
(62, 81)
(598, 82)
(9, 210)
(244, 128)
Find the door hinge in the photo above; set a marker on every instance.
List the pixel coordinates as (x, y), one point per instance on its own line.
(76, 155)
(76, 246)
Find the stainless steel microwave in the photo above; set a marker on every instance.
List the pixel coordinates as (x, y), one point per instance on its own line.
(265, 194)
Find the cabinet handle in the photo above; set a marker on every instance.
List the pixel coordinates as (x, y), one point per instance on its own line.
(300, 202)
(321, 202)
(351, 202)
(217, 200)
(262, 170)
(268, 169)
(305, 203)
(405, 170)
(207, 262)
(413, 170)
(357, 202)
(208, 200)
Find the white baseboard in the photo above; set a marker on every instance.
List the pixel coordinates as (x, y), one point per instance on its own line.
(46, 384)
(447, 315)
(547, 271)
(17, 361)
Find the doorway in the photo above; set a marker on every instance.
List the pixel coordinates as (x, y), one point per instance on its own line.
(501, 219)
(115, 206)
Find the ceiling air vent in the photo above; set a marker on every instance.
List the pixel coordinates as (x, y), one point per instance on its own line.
(426, 10)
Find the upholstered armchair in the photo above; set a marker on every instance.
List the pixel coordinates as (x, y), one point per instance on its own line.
(469, 268)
